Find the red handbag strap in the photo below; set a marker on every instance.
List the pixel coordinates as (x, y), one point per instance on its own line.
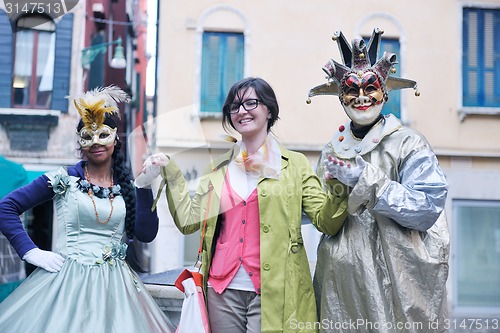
(186, 274)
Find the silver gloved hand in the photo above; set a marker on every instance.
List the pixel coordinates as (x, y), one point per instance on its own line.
(344, 172)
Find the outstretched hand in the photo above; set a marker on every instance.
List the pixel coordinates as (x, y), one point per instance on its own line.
(151, 169)
(344, 171)
(48, 260)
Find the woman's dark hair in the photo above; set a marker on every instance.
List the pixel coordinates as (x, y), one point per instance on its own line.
(121, 173)
(264, 93)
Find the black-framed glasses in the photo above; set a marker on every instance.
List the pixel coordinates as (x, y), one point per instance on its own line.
(249, 104)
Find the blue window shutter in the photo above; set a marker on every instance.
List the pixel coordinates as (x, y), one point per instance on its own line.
(466, 92)
(233, 64)
(481, 57)
(393, 105)
(470, 64)
(6, 54)
(496, 57)
(222, 66)
(62, 66)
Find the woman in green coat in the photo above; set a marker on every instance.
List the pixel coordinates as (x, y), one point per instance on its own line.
(249, 209)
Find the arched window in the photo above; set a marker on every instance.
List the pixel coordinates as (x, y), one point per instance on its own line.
(33, 67)
(222, 32)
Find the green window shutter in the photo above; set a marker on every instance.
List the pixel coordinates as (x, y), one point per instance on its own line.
(222, 65)
(210, 73)
(233, 65)
(97, 66)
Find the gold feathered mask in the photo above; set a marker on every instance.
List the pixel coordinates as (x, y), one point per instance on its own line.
(93, 107)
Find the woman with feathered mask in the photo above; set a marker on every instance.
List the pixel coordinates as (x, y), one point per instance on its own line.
(85, 284)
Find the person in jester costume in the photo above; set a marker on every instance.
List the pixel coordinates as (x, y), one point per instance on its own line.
(385, 270)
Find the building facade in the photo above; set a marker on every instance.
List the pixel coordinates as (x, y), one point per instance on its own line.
(451, 48)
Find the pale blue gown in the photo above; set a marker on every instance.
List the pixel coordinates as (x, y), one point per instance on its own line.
(89, 294)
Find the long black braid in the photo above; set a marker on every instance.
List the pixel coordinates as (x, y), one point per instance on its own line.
(125, 180)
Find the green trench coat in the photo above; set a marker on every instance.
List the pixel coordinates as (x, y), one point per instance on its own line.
(287, 296)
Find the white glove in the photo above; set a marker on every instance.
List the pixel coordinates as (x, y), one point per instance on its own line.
(48, 260)
(151, 169)
(344, 172)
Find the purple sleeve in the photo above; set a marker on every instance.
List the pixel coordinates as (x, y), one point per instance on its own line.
(146, 221)
(16, 203)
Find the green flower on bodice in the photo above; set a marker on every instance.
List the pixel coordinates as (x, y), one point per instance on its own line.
(112, 252)
(60, 184)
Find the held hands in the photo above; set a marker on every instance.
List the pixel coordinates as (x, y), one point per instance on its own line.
(344, 172)
(48, 260)
(151, 169)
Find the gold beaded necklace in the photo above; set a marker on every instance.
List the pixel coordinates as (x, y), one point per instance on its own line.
(91, 195)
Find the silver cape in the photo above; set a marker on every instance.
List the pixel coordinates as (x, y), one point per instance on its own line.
(386, 269)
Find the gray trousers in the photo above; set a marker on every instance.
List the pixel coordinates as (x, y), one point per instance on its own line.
(233, 311)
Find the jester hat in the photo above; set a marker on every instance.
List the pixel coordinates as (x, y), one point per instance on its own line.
(360, 58)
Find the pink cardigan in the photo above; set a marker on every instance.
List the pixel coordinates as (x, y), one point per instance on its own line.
(239, 240)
